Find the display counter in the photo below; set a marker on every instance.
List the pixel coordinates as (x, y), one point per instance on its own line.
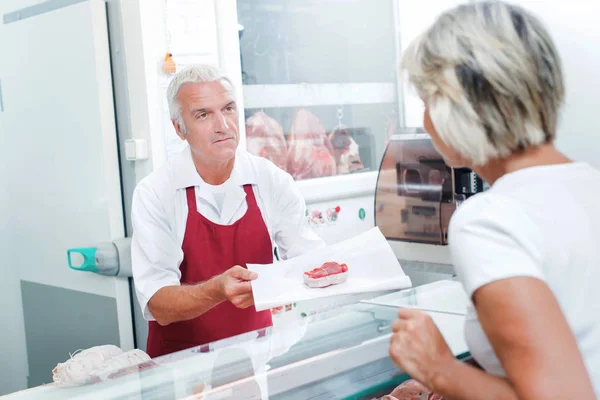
(338, 354)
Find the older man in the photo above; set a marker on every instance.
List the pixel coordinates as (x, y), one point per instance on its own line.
(201, 218)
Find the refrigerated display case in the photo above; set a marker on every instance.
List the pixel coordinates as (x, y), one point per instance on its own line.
(342, 354)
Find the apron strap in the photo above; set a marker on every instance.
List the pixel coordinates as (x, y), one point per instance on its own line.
(190, 193)
(250, 198)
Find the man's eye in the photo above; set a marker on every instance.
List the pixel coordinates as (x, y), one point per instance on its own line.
(202, 116)
(231, 108)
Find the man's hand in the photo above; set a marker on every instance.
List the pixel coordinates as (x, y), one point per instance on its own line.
(235, 286)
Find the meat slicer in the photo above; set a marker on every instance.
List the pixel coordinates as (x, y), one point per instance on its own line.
(417, 192)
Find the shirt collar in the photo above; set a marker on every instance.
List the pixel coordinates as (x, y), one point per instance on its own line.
(185, 174)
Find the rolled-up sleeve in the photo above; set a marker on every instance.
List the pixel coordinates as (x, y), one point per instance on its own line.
(155, 254)
(292, 233)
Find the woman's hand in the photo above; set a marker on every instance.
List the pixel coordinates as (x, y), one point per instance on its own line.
(418, 348)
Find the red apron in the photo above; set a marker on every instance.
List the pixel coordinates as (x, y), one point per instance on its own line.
(210, 249)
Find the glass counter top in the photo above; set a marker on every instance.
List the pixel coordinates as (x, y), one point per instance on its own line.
(446, 296)
(341, 353)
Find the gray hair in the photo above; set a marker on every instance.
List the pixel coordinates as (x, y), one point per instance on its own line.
(491, 78)
(193, 74)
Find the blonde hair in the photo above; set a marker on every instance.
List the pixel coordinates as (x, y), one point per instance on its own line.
(491, 78)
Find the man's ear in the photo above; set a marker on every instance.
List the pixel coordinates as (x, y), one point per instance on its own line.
(178, 129)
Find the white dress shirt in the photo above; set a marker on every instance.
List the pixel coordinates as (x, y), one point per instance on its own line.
(159, 215)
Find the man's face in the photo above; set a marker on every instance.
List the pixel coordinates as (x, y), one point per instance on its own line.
(211, 118)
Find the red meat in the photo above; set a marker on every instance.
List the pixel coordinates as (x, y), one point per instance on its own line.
(310, 154)
(264, 138)
(327, 269)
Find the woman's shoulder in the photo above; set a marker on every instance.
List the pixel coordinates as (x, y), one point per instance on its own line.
(488, 206)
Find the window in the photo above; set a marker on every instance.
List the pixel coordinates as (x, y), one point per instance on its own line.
(319, 83)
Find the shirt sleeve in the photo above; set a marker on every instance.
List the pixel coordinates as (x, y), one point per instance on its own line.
(492, 238)
(292, 234)
(155, 255)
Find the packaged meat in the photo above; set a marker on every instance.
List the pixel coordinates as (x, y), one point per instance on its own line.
(99, 363)
(345, 151)
(76, 370)
(330, 273)
(310, 154)
(412, 390)
(123, 364)
(264, 138)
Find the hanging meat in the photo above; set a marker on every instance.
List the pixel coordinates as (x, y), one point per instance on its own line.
(264, 137)
(345, 151)
(310, 154)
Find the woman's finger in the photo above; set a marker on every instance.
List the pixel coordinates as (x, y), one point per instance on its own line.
(409, 313)
(398, 325)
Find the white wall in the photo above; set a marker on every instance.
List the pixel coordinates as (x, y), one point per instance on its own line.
(574, 28)
(576, 32)
(12, 335)
(49, 202)
(414, 17)
(188, 30)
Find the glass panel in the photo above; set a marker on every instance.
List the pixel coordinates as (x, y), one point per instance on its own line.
(340, 355)
(319, 81)
(447, 296)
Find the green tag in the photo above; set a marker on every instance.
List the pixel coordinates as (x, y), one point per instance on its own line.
(362, 214)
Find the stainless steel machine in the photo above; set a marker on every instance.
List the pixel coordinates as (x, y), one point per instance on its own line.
(417, 192)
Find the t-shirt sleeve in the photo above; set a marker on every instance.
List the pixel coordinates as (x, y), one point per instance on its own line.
(492, 238)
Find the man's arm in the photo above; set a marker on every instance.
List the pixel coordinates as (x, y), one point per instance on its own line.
(292, 233)
(155, 256)
(181, 303)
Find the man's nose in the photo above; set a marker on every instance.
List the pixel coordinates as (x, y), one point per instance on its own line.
(221, 124)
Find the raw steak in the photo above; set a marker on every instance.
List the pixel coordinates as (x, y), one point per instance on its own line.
(330, 273)
(412, 390)
(265, 139)
(310, 153)
(345, 151)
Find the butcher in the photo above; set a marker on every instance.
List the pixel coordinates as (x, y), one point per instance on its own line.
(201, 218)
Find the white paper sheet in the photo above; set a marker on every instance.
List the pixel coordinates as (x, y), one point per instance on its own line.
(372, 266)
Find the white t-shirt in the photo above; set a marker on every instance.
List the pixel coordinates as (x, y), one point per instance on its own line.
(542, 222)
(219, 192)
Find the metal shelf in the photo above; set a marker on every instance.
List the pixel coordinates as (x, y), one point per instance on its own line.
(307, 95)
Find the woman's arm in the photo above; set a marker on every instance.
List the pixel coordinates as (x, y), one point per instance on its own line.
(528, 333)
(532, 339)
(418, 347)
(465, 382)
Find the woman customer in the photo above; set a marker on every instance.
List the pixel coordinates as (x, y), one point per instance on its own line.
(527, 250)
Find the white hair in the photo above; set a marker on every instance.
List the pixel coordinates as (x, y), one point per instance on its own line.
(193, 74)
(491, 78)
